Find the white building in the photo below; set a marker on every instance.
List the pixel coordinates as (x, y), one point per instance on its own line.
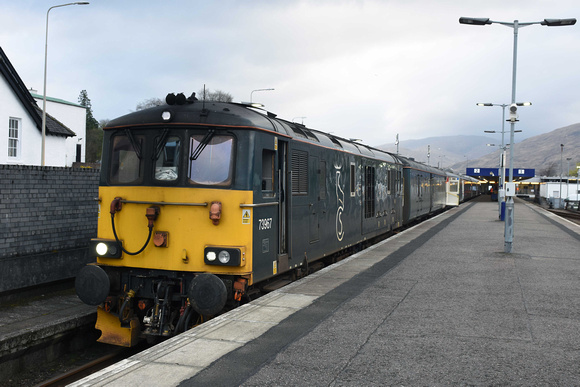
(72, 115)
(21, 122)
(552, 188)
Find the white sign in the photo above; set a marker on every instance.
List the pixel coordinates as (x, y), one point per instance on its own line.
(510, 189)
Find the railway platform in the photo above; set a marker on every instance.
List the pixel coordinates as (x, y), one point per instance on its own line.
(438, 304)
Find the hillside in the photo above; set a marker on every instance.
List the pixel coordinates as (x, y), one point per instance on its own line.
(540, 152)
(543, 152)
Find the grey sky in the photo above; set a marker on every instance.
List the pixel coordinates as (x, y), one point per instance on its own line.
(364, 69)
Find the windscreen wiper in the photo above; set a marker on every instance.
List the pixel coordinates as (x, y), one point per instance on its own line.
(201, 146)
(160, 144)
(136, 146)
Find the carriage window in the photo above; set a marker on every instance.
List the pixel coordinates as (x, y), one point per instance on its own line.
(211, 163)
(352, 180)
(268, 172)
(167, 158)
(453, 185)
(419, 193)
(126, 160)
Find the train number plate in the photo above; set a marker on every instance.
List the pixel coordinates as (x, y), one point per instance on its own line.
(265, 224)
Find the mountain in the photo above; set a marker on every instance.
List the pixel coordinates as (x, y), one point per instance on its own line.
(444, 151)
(542, 152)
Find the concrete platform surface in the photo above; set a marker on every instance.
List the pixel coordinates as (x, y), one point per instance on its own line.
(439, 304)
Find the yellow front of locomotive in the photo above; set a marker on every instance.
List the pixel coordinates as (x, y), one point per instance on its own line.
(174, 241)
(187, 225)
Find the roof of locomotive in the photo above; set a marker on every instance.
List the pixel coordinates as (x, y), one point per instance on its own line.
(212, 113)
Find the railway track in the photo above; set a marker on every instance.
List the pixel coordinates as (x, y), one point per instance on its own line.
(573, 216)
(92, 366)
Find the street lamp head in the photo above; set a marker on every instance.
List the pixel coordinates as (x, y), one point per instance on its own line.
(484, 104)
(82, 3)
(476, 21)
(558, 22)
(523, 103)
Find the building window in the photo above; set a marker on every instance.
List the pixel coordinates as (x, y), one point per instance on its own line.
(13, 138)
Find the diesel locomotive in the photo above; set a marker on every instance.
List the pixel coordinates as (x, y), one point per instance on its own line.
(202, 203)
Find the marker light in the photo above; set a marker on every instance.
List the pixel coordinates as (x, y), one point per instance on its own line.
(224, 257)
(166, 115)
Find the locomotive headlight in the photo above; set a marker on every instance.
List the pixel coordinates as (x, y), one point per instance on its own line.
(210, 256)
(224, 257)
(105, 248)
(101, 248)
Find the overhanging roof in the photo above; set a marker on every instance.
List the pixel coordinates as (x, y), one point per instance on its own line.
(53, 126)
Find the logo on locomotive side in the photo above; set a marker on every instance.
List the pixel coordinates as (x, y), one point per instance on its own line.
(340, 201)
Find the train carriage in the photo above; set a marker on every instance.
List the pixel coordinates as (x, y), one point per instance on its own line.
(425, 190)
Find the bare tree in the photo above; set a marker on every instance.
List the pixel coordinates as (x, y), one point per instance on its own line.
(216, 95)
(550, 170)
(149, 103)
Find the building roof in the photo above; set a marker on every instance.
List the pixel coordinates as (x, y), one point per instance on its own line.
(53, 126)
(57, 100)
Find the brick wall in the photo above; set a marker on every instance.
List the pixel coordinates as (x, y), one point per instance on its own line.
(47, 217)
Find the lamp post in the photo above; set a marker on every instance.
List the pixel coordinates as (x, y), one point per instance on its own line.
(568, 177)
(42, 158)
(258, 90)
(578, 186)
(509, 223)
(561, 173)
(501, 188)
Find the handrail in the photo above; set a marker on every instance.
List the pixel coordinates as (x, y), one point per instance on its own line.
(164, 203)
(242, 205)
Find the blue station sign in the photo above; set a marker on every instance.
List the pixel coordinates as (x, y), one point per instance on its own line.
(491, 172)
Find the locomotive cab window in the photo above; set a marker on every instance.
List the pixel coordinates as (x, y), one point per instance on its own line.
(126, 159)
(211, 159)
(268, 173)
(167, 151)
